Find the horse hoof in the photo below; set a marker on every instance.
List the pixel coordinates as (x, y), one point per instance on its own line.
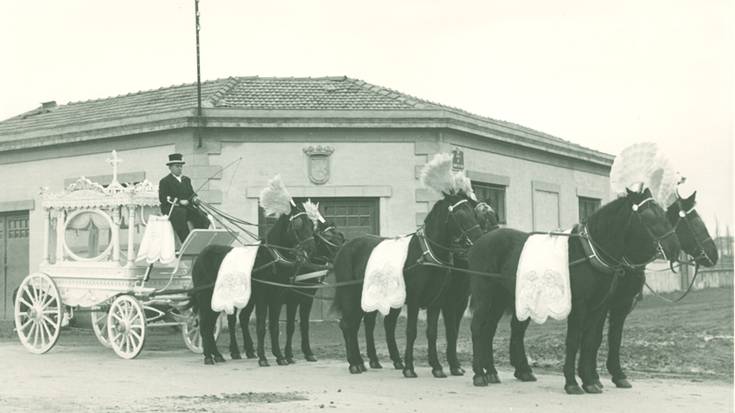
(281, 361)
(354, 369)
(290, 360)
(598, 383)
(573, 389)
(591, 388)
(479, 380)
(398, 365)
(438, 373)
(236, 356)
(362, 367)
(218, 358)
(409, 373)
(622, 383)
(250, 355)
(525, 376)
(492, 378)
(456, 371)
(263, 363)
(209, 361)
(310, 357)
(375, 364)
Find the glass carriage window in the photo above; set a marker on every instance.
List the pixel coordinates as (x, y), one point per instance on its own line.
(494, 195)
(587, 206)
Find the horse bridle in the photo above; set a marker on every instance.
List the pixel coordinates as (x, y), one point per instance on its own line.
(684, 216)
(299, 242)
(464, 233)
(656, 240)
(331, 246)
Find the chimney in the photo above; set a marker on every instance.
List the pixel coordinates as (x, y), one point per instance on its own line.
(48, 105)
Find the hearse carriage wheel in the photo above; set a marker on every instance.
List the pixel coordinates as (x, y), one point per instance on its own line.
(99, 325)
(190, 331)
(126, 325)
(38, 313)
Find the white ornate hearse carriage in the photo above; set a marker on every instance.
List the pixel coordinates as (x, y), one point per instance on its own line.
(90, 236)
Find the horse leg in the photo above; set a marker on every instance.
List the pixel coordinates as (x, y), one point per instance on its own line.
(304, 314)
(480, 339)
(291, 307)
(208, 319)
(261, 312)
(590, 362)
(274, 314)
(245, 327)
(432, 321)
(232, 329)
(591, 339)
(389, 324)
(614, 340)
(206, 330)
(575, 322)
(413, 315)
(518, 358)
(350, 324)
(369, 322)
(497, 307)
(452, 318)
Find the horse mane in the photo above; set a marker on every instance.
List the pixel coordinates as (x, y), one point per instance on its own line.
(608, 224)
(277, 234)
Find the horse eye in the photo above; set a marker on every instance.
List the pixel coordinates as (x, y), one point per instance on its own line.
(297, 224)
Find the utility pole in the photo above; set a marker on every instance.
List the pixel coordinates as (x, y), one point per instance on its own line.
(199, 78)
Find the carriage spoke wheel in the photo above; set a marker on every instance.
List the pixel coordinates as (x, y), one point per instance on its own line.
(126, 326)
(38, 312)
(190, 331)
(99, 325)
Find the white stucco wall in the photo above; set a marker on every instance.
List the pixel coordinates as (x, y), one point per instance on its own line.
(356, 169)
(523, 173)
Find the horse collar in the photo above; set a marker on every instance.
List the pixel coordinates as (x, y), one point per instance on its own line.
(426, 254)
(592, 255)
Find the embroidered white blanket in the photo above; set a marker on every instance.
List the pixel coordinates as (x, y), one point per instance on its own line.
(383, 286)
(232, 288)
(542, 280)
(158, 242)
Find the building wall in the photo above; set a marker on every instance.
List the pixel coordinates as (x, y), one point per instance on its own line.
(376, 164)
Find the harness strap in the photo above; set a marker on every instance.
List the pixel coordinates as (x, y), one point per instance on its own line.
(591, 254)
(427, 256)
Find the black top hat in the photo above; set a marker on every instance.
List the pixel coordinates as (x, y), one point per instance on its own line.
(175, 158)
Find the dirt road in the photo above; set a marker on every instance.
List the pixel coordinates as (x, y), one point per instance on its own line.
(89, 378)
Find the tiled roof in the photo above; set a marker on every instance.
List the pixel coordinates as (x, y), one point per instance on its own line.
(246, 93)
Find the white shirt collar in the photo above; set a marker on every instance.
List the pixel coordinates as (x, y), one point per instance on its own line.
(178, 178)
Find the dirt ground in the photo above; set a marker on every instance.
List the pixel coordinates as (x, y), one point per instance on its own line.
(679, 359)
(85, 377)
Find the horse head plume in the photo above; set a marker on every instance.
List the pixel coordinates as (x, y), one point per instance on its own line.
(275, 199)
(312, 211)
(437, 174)
(644, 165)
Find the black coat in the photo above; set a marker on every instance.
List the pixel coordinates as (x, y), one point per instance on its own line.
(171, 187)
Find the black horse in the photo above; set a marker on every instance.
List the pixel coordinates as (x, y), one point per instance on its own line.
(695, 241)
(289, 243)
(328, 242)
(624, 234)
(451, 221)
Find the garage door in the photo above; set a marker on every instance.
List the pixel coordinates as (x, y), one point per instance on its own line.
(353, 216)
(13, 257)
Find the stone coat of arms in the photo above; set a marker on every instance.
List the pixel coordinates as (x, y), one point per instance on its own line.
(318, 163)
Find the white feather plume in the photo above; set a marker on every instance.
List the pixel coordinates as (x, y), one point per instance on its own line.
(461, 183)
(645, 165)
(437, 173)
(275, 199)
(312, 211)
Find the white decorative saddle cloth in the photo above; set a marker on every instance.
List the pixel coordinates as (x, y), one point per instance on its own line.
(542, 280)
(232, 288)
(383, 286)
(158, 242)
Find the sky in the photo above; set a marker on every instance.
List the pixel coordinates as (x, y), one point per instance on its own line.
(602, 74)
